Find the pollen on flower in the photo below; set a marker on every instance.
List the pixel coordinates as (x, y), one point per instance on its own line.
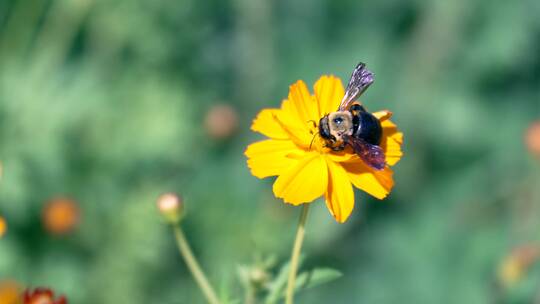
(61, 215)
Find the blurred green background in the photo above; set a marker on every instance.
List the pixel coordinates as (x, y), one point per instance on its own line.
(107, 102)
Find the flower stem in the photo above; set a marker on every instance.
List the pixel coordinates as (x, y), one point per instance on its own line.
(193, 265)
(301, 230)
(250, 295)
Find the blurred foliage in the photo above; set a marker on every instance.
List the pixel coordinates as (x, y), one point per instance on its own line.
(104, 102)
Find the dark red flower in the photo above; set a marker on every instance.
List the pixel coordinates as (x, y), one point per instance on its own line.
(42, 296)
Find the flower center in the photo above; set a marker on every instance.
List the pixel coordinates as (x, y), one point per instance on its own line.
(317, 142)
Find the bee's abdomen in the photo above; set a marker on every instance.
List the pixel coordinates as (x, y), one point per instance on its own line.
(367, 127)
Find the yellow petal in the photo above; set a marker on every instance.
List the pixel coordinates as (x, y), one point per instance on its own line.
(375, 182)
(296, 130)
(299, 114)
(391, 142)
(269, 157)
(328, 93)
(392, 148)
(342, 156)
(340, 196)
(383, 115)
(303, 103)
(266, 124)
(303, 182)
(389, 125)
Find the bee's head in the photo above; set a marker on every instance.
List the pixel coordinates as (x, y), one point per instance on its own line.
(324, 128)
(336, 124)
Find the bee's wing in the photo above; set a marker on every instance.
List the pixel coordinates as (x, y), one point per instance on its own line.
(372, 155)
(361, 79)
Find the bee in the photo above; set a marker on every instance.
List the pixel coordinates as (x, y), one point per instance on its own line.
(352, 125)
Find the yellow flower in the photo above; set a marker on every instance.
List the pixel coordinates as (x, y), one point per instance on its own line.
(306, 169)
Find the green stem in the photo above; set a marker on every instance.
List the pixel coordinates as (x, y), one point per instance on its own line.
(300, 232)
(193, 265)
(250, 295)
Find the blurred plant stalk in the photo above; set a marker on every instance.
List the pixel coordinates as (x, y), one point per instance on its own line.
(300, 232)
(193, 265)
(171, 207)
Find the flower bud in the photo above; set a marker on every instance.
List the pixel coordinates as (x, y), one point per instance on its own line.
(60, 215)
(221, 121)
(254, 277)
(258, 277)
(532, 138)
(171, 207)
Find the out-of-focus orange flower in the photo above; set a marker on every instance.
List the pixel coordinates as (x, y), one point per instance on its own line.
(532, 138)
(42, 296)
(516, 264)
(221, 121)
(9, 292)
(60, 215)
(3, 227)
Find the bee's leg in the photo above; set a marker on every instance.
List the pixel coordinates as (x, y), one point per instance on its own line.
(331, 146)
(344, 143)
(338, 148)
(313, 122)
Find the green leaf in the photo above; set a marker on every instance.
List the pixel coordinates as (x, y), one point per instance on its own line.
(304, 280)
(316, 277)
(277, 287)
